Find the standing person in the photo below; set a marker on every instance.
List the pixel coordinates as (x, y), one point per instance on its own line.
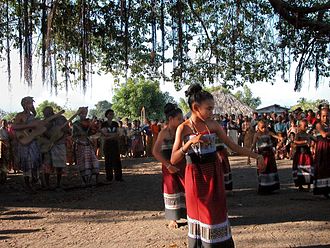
(111, 151)
(290, 145)
(69, 146)
(147, 137)
(173, 176)
(155, 131)
(280, 126)
(224, 122)
(130, 134)
(232, 131)
(86, 160)
(239, 122)
(293, 127)
(322, 155)
(28, 155)
(248, 133)
(205, 194)
(55, 156)
(302, 169)
(254, 121)
(4, 151)
(137, 141)
(263, 145)
(122, 133)
(12, 148)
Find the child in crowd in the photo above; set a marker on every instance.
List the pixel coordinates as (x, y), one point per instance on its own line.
(280, 146)
(302, 169)
(290, 146)
(262, 144)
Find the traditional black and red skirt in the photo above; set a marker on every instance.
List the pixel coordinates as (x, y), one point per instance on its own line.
(268, 179)
(223, 156)
(206, 202)
(302, 169)
(173, 189)
(322, 167)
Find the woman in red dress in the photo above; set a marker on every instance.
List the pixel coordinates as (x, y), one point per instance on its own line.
(322, 155)
(208, 224)
(173, 176)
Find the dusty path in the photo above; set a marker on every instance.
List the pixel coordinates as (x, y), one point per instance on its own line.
(130, 213)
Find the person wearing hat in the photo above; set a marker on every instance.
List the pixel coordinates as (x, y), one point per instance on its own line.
(29, 156)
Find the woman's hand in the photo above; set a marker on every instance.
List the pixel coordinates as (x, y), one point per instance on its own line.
(172, 169)
(197, 139)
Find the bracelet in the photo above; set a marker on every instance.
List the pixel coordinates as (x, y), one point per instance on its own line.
(183, 152)
(168, 166)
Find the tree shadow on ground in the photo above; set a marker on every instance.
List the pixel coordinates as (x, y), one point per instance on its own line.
(142, 191)
(287, 205)
(15, 231)
(314, 246)
(18, 231)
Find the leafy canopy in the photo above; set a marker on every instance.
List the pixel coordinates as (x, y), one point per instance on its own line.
(44, 104)
(306, 104)
(129, 99)
(246, 97)
(100, 108)
(228, 42)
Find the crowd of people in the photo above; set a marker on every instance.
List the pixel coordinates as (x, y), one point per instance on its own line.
(196, 169)
(37, 148)
(193, 151)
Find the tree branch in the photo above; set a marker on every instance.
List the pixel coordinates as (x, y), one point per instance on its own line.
(295, 16)
(200, 20)
(308, 10)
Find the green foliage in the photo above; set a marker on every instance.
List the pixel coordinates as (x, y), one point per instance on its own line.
(225, 42)
(100, 108)
(218, 88)
(69, 113)
(308, 104)
(129, 99)
(247, 98)
(44, 104)
(10, 116)
(183, 105)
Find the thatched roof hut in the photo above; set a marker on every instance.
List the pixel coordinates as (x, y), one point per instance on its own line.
(226, 103)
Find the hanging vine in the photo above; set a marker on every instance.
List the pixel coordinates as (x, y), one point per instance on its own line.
(162, 28)
(230, 42)
(153, 34)
(43, 40)
(126, 42)
(20, 36)
(8, 44)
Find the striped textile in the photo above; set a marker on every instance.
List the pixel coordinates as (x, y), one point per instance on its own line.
(58, 155)
(205, 197)
(173, 187)
(86, 160)
(322, 166)
(302, 169)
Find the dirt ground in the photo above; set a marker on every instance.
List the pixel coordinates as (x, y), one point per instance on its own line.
(130, 213)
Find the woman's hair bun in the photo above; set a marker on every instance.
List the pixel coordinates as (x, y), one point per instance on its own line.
(169, 107)
(193, 89)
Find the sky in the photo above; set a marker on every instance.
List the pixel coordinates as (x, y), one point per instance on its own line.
(102, 89)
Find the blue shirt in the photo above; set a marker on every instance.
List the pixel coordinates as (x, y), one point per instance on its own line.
(280, 127)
